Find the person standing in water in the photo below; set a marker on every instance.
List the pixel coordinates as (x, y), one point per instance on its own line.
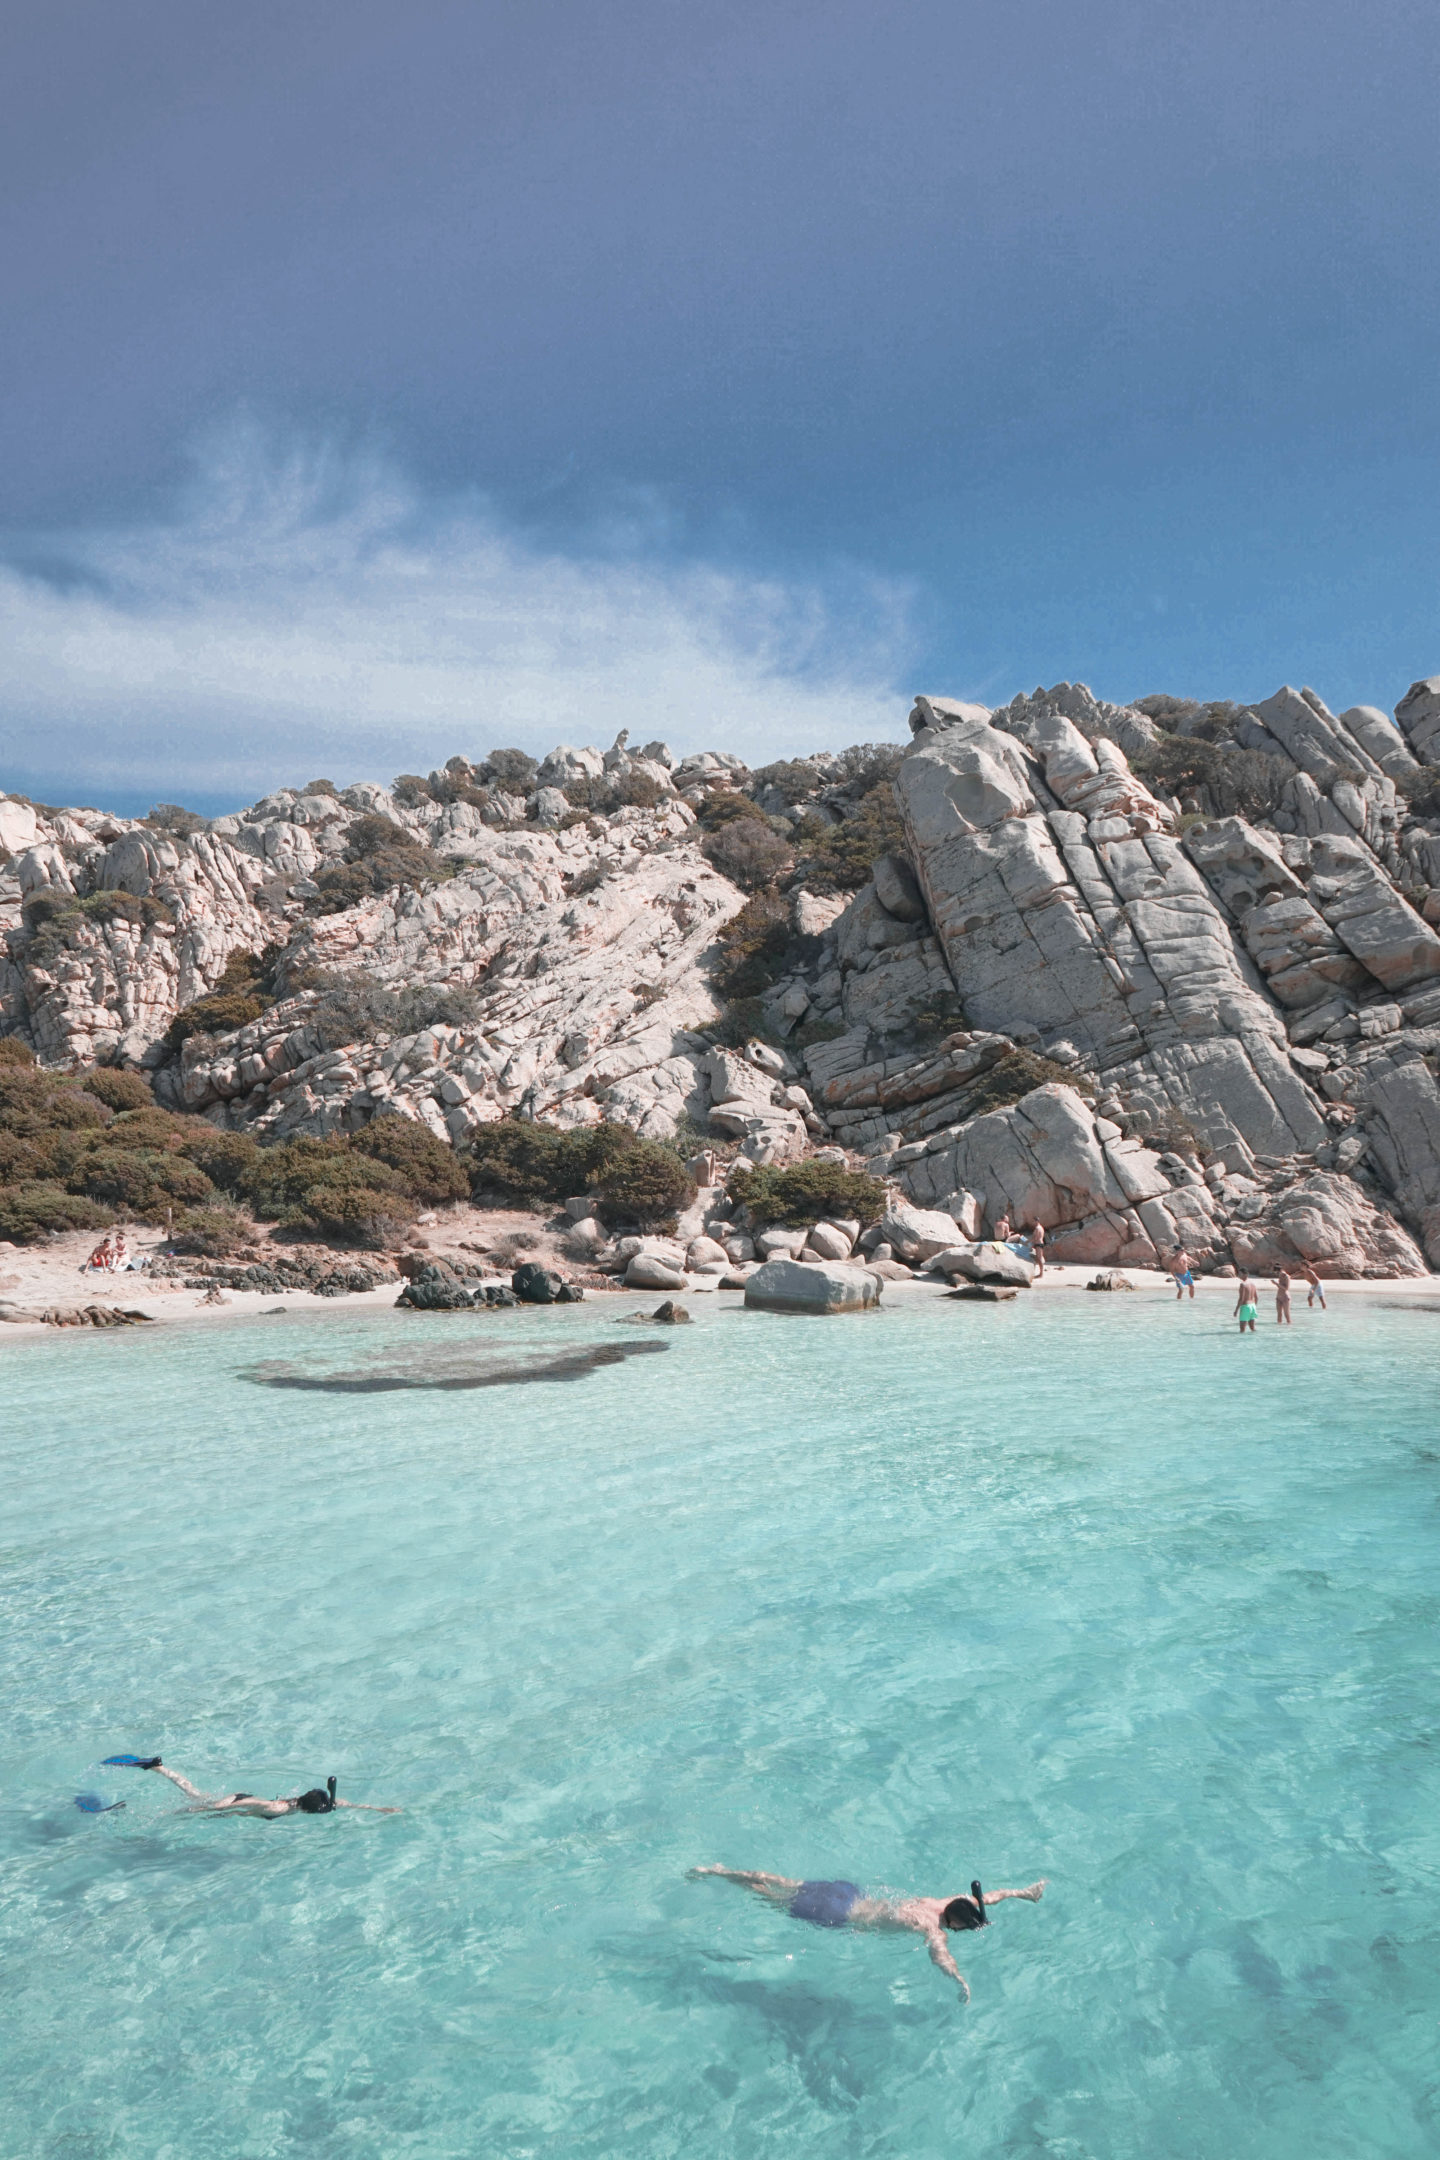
(320, 1800)
(1282, 1299)
(1183, 1273)
(1317, 1288)
(844, 1904)
(1247, 1305)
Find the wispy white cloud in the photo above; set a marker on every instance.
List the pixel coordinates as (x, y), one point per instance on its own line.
(301, 611)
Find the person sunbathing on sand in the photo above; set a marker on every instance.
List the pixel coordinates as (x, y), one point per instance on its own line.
(320, 1800)
(844, 1904)
(103, 1257)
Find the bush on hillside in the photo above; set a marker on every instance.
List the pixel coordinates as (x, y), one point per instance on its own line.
(379, 856)
(32, 1210)
(802, 1194)
(170, 817)
(228, 1159)
(645, 1183)
(512, 771)
(326, 1185)
(211, 1233)
(842, 858)
(747, 852)
(15, 1052)
(753, 947)
(1238, 783)
(633, 1180)
(117, 1090)
(430, 1170)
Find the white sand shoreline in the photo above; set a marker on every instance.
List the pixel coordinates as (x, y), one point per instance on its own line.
(49, 1277)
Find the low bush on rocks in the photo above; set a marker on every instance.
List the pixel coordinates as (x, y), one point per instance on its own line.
(754, 946)
(632, 1179)
(211, 1233)
(54, 922)
(802, 1194)
(33, 1209)
(356, 1009)
(245, 990)
(431, 1171)
(1013, 1076)
(117, 1090)
(747, 852)
(379, 855)
(329, 1186)
(1235, 782)
(841, 858)
(15, 1052)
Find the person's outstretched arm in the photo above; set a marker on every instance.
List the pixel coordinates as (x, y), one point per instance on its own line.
(940, 1955)
(365, 1808)
(1033, 1893)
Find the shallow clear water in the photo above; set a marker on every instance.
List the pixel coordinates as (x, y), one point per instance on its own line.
(1087, 1589)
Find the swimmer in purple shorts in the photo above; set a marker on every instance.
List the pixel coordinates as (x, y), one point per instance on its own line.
(844, 1904)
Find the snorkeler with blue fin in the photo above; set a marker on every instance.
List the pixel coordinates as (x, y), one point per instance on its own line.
(320, 1800)
(844, 1904)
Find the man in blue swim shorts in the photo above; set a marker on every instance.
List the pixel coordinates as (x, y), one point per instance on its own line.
(1183, 1273)
(844, 1904)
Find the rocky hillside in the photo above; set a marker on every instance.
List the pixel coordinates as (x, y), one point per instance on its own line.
(1156, 974)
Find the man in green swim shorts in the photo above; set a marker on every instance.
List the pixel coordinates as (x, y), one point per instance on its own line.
(1247, 1305)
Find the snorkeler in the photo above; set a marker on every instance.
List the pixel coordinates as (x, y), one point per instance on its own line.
(320, 1800)
(844, 1904)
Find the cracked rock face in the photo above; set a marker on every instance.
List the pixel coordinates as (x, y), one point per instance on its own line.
(1142, 1018)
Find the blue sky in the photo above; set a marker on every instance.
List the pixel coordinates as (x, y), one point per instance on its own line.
(381, 382)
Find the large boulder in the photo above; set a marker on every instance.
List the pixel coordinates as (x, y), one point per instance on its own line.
(647, 1271)
(793, 1286)
(830, 1242)
(988, 1263)
(917, 1233)
(435, 1287)
(1328, 1220)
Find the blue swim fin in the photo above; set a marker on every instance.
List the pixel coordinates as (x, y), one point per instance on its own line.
(134, 1762)
(90, 1803)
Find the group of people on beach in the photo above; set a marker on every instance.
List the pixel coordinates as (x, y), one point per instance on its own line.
(111, 1256)
(1247, 1296)
(1033, 1239)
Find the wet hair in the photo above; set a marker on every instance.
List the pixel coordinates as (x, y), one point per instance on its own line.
(319, 1800)
(966, 1912)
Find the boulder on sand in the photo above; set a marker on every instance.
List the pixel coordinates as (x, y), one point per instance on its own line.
(647, 1271)
(989, 1263)
(916, 1233)
(793, 1286)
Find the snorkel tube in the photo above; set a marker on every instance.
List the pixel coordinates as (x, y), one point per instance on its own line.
(979, 1896)
(330, 1788)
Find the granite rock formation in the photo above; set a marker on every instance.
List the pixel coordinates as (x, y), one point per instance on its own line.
(1156, 976)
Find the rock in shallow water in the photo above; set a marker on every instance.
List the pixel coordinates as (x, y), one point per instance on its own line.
(793, 1286)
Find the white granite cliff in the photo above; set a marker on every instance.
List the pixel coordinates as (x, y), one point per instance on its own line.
(1239, 1016)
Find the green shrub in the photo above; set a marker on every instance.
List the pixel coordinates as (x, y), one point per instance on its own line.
(325, 1185)
(410, 791)
(211, 1233)
(21, 1161)
(637, 791)
(1015, 1075)
(169, 817)
(1239, 783)
(722, 806)
(511, 771)
(807, 1191)
(841, 858)
(748, 853)
(427, 1168)
(645, 1182)
(379, 856)
(15, 1052)
(320, 787)
(31, 1210)
(753, 947)
(794, 778)
(228, 1159)
(34, 1102)
(356, 1008)
(143, 1182)
(219, 1014)
(529, 1161)
(117, 1090)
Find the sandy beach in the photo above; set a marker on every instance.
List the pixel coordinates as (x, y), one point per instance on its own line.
(40, 1278)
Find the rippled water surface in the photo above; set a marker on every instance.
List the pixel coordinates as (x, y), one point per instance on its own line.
(1088, 1589)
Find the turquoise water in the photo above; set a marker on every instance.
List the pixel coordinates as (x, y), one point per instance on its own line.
(1087, 1589)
